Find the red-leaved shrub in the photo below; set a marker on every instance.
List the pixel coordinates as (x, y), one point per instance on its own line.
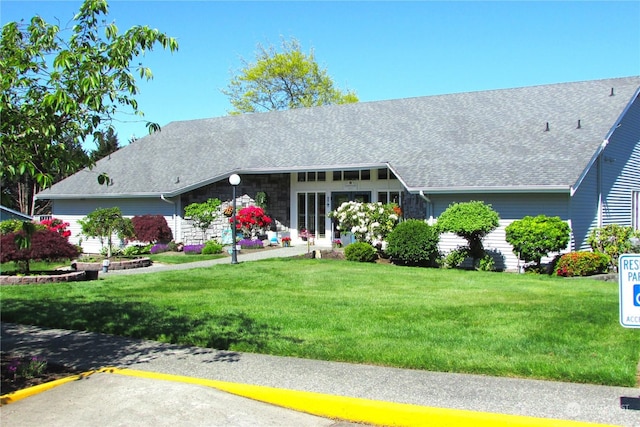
(582, 264)
(44, 245)
(152, 229)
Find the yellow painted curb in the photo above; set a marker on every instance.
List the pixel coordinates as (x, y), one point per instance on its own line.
(361, 410)
(27, 392)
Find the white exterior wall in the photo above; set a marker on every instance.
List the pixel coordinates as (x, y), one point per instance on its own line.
(604, 196)
(73, 210)
(510, 208)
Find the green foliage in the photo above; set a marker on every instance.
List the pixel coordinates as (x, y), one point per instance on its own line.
(135, 250)
(212, 247)
(60, 88)
(107, 143)
(472, 221)
(613, 240)
(456, 257)
(582, 264)
(533, 238)
(487, 263)
(10, 226)
(282, 81)
(413, 242)
(103, 223)
(203, 214)
(360, 252)
(368, 222)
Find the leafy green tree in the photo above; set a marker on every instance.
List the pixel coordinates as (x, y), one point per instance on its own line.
(203, 214)
(58, 89)
(282, 81)
(472, 221)
(103, 223)
(533, 238)
(107, 144)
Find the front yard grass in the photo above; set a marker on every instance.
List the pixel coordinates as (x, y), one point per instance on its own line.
(440, 320)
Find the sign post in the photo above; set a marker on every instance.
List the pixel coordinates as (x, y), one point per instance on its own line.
(629, 273)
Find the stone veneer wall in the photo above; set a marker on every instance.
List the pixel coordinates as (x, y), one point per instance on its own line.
(276, 186)
(413, 206)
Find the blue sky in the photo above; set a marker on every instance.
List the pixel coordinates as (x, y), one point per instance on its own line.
(381, 50)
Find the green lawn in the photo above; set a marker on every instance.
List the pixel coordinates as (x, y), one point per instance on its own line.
(441, 320)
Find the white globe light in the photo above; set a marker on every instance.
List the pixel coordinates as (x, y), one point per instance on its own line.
(234, 179)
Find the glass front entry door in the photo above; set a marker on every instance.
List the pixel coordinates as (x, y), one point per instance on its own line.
(339, 197)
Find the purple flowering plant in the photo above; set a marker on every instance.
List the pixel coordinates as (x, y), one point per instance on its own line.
(27, 367)
(251, 244)
(193, 249)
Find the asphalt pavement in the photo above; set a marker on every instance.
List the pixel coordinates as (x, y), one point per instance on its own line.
(150, 383)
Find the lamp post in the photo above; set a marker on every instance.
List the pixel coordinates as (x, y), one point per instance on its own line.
(234, 180)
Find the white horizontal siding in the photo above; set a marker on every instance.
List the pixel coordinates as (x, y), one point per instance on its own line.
(510, 208)
(73, 210)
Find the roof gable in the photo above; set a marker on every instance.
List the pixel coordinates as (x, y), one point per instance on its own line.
(476, 140)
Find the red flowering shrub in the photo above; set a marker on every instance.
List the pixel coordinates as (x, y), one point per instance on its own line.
(152, 228)
(251, 220)
(582, 264)
(55, 224)
(43, 245)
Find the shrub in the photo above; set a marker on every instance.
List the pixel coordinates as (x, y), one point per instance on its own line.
(360, 252)
(10, 226)
(55, 224)
(136, 250)
(251, 244)
(212, 247)
(455, 257)
(533, 238)
(252, 221)
(43, 245)
(472, 221)
(193, 249)
(487, 263)
(582, 264)
(151, 228)
(613, 240)
(413, 242)
(368, 222)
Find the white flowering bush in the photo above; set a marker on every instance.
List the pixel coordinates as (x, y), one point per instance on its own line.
(368, 222)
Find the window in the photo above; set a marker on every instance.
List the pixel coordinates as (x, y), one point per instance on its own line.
(337, 175)
(351, 175)
(385, 197)
(635, 210)
(322, 176)
(312, 213)
(385, 173)
(302, 176)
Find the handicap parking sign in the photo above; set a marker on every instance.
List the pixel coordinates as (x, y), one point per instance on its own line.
(629, 278)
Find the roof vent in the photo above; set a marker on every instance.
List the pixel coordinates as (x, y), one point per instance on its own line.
(579, 124)
(177, 181)
(546, 129)
(612, 94)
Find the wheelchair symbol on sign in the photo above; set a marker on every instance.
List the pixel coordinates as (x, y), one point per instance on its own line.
(636, 295)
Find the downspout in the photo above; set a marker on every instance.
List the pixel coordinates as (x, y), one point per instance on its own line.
(599, 189)
(175, 216)
(429, 207)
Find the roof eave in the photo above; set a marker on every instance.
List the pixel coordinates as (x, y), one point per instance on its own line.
(558, 189)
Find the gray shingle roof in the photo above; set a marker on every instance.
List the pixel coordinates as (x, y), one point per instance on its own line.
(476, 140)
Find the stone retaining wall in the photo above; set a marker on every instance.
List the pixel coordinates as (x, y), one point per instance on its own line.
(73, 276)
(113, 265)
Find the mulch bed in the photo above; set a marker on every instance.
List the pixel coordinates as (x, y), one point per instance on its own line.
(9, 382)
